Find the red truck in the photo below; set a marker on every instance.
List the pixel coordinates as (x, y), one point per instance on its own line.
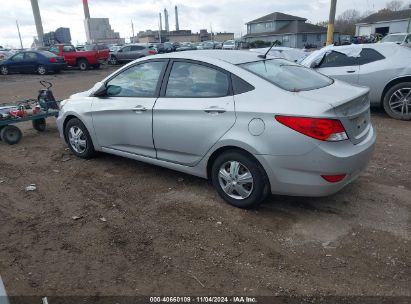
(81, 59)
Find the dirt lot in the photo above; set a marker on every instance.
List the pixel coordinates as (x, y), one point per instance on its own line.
(169, 233)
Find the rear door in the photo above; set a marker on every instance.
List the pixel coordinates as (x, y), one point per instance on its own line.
(194, 110)
(340, 66)
(31, 61)
(136, 52)
(124, 53)
(122, 119)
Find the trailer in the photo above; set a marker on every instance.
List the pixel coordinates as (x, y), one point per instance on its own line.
(34, 110)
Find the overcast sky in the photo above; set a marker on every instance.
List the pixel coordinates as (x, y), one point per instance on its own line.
(222, 15)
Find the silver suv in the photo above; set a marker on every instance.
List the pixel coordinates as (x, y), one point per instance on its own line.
(131, 52)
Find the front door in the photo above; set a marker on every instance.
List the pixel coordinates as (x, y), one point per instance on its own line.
(195, 109)
(122, 119)
(18, 64)
(31, 61)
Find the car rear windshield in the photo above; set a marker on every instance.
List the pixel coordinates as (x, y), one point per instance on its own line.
(287, 75)
(47, 54)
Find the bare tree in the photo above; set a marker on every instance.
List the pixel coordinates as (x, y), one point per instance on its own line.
(345, 22)
(394, 5)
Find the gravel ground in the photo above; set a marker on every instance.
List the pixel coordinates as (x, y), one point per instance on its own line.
(113, 226)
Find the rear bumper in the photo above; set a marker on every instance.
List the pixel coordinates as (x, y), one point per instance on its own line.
(301, 175)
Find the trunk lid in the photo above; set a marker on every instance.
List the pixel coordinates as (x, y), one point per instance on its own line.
(351, 104)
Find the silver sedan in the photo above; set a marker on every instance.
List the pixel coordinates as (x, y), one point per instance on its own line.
(383, 67)
(252, 125)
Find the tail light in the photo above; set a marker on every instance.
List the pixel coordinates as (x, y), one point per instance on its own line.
(53, 59)
(318, 128)
(152, 52)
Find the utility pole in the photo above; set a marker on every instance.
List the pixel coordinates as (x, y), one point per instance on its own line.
(331, 21)
(132, 30)
(18, 30)
(37, 20)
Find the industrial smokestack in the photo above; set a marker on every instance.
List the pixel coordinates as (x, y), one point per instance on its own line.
(86, 9)
(166, 20)
(161, 22)
(37, 20)
(177, 26)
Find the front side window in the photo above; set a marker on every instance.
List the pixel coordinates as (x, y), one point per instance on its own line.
(18, 57)
(288, 76)
(125, 49)
(336, 59)
(195, 80)
(138, 81)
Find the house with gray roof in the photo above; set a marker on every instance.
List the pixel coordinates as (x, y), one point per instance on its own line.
(291, 31)
(384, 22)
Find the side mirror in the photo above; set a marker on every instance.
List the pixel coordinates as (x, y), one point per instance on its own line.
(113, 90)
(99, 89)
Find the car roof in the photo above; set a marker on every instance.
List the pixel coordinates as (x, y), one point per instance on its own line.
(234, 57)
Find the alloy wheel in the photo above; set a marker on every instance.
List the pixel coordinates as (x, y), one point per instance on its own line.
(4, 70)
(236, 180)
(41, 70)
(400, 101)
(77, 139)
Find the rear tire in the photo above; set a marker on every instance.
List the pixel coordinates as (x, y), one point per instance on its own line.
(240, 179)
(39, 124)
(79, 139)
(4, 70)
(41, 70)
(11, 135)
(82, 64)
(397, 101)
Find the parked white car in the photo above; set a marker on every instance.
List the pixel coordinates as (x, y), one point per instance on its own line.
(229, 45)
(383, 67)
(398, 38)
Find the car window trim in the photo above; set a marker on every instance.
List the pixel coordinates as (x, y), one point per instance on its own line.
(158, 86)
(206, 64)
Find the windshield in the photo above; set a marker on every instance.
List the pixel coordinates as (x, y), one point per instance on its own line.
(393, 38)
(288, 76)
(229, 42)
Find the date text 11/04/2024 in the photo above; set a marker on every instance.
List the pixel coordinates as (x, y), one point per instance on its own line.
(239, 299)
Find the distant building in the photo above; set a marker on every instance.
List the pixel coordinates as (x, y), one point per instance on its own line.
(291, 31)
(61, 35)
(98, 30)
(150, 36)
(384, 22)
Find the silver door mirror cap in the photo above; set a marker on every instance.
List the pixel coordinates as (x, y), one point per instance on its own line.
(98, 89)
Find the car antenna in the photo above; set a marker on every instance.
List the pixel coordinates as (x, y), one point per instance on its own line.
(265, 55)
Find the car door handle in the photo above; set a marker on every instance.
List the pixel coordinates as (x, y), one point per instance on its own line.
(214, 110)
(139, 109)
(350, 72)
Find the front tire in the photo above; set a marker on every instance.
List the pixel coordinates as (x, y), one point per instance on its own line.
(397, 101)
(78, 139)
(113, 60)
(4, 70)
(239, 179)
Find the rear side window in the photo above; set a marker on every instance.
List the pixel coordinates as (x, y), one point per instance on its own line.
(288, 76)
(30, 56)
(240, 86)
(336, 59)
(48, 54)
(68, 48)
(125, 49)
(370, 55)
(137, 48)
(195, 80)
